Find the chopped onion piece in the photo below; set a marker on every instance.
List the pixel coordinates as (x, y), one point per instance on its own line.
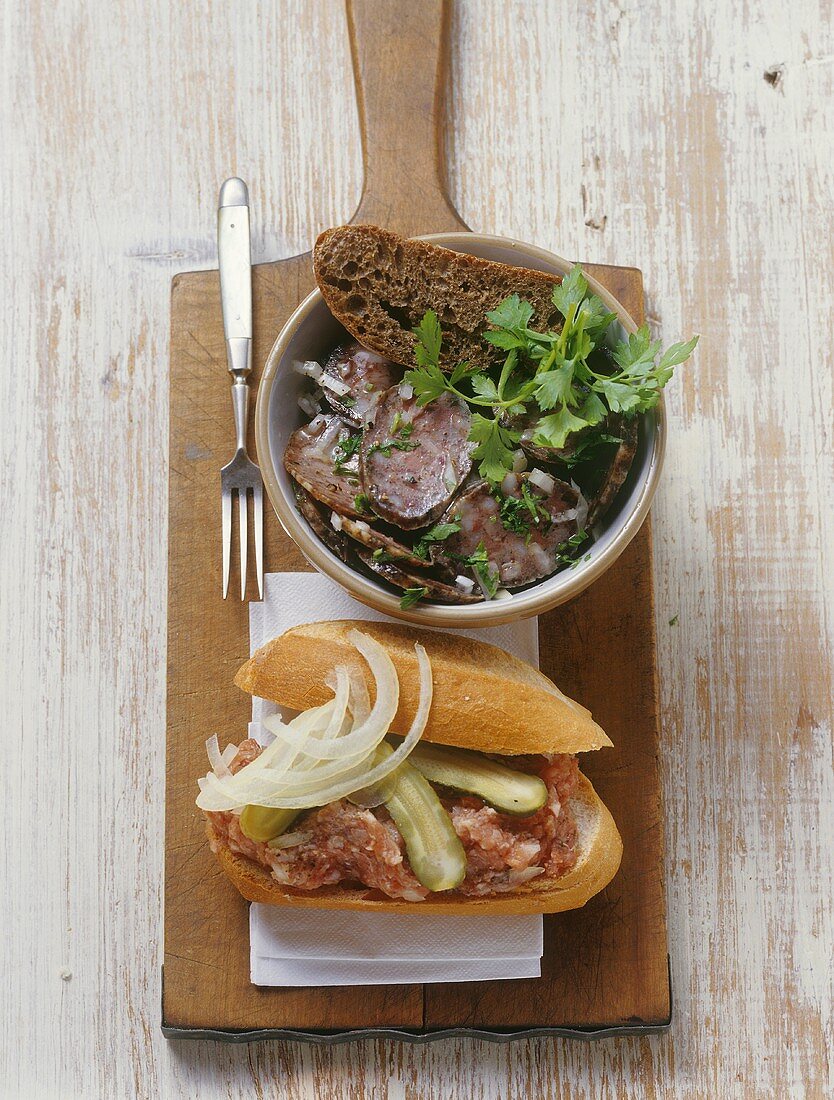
(229, 753)
(335, 521)
(406, 391)
(581, 508)
(464, 584)
(542, 480)
(519, 461)
(338, 387)
(503, 594)
(289, 840)
(310, 369)
(450, 477)
(524, 875)
(509, 484)
(308, 404)
(218, 764)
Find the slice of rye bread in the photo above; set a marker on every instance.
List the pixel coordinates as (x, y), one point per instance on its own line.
(379, 285)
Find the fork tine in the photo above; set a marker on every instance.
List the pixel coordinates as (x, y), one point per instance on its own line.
(226, 500)
(258, 502)
(244, 539)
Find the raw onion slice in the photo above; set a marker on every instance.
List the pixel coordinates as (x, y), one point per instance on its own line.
(359, 703)
(303, 789)
(367, 735)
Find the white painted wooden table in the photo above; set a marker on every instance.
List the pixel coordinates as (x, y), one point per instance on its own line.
(691, 139)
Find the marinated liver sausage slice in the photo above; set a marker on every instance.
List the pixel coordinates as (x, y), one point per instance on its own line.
(331, 538)
(413, 459)
(361, 531)
(367, 374)
(436, 590)
(519, 557)
(312, 456)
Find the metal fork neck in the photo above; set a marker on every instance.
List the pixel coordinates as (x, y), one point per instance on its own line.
(240, 406)
(239, 355)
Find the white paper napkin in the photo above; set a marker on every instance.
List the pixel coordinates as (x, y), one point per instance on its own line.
(309, 947)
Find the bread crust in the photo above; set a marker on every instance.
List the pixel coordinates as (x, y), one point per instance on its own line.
(378, 285)
(484, 699)
(600, 845)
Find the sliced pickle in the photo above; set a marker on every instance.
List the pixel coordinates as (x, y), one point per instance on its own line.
(510, 792)
(263, 823)
(434, 849)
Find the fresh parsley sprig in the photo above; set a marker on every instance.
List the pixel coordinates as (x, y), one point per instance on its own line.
(549, 377)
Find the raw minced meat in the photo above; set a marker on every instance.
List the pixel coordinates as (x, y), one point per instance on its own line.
(343, 843)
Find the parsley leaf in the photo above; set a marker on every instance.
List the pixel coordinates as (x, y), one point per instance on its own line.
(429, 340)
(676, 354)
(390, 445)
(553, 430)
(344, 451)
(485, 387)
(570, 292)
(586, 448)
(520, 514)
(555, 387)
(513, 314)
(568, 552)
(479, 563)
(362, 502)
(461, 371)
(428, 382)
(439, 533)
(494, 453)
(411, 596)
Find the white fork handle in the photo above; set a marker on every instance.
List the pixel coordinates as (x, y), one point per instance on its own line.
(235, 254)
(234, 249)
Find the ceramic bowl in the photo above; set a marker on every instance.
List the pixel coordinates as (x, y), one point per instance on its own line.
(312, 331)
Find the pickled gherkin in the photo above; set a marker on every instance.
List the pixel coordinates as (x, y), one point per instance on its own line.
(510, 792)
(434, 850)
(264, 823)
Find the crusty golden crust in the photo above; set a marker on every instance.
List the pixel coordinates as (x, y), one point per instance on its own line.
(484, 699)
(600, 845)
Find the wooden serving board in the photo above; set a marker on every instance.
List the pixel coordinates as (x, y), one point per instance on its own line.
(605, 966)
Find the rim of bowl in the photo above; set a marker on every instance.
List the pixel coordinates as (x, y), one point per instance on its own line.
(523, 605)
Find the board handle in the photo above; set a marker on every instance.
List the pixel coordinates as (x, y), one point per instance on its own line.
(399, 50)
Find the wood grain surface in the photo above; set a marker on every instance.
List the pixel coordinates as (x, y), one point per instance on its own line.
(692, 140)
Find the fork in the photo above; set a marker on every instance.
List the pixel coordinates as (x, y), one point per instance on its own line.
(241, 474)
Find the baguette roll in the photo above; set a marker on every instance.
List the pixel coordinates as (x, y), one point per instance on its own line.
(484, 699)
